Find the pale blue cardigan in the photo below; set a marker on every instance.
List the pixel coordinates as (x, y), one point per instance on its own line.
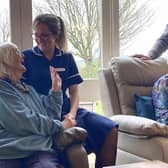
(28, 121)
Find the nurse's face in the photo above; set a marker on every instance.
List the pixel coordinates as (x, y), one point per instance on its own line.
(45, 39)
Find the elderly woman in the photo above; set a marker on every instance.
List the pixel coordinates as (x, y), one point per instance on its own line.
(28, 121)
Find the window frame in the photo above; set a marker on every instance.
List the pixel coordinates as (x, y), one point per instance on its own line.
(20, 23)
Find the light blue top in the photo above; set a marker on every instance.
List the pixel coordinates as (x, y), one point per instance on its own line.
(160, 46)
(28, 121)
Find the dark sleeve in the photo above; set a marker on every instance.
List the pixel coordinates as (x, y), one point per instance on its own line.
(73, 73)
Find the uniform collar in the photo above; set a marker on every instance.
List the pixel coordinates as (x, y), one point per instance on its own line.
(38, 52)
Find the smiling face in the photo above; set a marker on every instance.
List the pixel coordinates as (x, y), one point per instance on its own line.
(18, 68)
(11, 62)
(45, 39)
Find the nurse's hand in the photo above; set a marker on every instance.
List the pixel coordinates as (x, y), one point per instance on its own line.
(56, 80)
(68, 122)
(69, 115)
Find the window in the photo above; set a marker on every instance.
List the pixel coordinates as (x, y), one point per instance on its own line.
(21, 23)
(4, 21)
(141, 24)
(81, 19)
(114, 30)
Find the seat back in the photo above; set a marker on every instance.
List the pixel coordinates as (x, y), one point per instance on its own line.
(126, 77)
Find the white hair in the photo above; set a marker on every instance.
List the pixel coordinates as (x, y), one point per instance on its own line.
(7, 59)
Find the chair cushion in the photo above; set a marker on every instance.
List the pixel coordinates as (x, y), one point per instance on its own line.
(140, 126)
(144, 106)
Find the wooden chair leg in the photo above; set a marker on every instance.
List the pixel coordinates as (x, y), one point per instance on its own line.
(107, 154)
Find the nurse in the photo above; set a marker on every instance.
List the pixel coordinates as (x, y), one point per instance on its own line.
(51, 50)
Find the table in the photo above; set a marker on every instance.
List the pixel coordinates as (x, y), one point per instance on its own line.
(146, 164)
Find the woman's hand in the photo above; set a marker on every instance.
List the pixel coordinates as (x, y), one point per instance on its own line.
(69, 115)
(56, 80)
(68, 122)
(141, 56)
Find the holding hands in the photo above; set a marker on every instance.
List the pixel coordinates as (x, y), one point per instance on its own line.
(69, 121)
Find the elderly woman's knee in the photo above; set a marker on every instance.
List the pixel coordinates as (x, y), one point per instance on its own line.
(42, 160)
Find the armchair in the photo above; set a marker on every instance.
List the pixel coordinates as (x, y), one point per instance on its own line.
(139, 138)
(71, 142)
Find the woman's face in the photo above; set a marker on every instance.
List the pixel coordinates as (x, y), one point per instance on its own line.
(45, 39)
(18, 68)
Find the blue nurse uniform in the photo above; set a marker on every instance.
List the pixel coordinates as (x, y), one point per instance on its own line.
(38, 75)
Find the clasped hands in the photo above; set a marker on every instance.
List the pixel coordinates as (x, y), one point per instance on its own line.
(69, 121)
(71, 135)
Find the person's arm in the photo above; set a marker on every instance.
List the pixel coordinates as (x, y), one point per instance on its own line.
(68, 121)
(74, 100)
(18, 118)
(159, 47)
(72, 82)
(52, 102)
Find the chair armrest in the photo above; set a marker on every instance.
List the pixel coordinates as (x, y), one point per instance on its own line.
(140, 126)
(68, 137)
(77, 156)
(108, 90)
(70, 141)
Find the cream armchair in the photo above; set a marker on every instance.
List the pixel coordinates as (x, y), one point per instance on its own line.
(139, 138)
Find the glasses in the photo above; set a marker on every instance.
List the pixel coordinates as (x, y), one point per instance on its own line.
(41, 36)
